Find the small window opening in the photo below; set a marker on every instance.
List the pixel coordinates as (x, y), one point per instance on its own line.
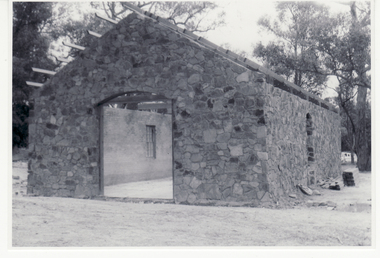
(151, 141)
(309, 131)
(310, 150)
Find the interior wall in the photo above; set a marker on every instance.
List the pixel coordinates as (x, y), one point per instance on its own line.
(125, 148)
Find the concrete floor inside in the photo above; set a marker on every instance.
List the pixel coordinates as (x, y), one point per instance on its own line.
(157, 189)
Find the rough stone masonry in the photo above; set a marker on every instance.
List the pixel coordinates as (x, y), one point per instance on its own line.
(238, 135)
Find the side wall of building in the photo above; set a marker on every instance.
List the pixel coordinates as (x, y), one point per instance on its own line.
(125, 146)
(290, 159)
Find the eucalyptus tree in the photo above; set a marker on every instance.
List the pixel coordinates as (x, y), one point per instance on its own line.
(311, 45)
(191, 16)
(292, 53)
(344, 43)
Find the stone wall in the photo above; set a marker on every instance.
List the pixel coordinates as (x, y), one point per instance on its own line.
(125, 147)
(228, 122)
(289, 161)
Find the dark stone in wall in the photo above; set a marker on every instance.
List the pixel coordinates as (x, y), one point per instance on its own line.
(299, 94)
(185, 114)
(281, 85)
(313, 100)
(51, 126)
(324, 106)
(47, 90)
(261, 121)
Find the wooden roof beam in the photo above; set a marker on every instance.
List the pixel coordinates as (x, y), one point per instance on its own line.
(38, 70)
(106, 18)
(137, 99)
(36, 84)
(61, 59)
(73, 46)
(93, 33)
(154, 105)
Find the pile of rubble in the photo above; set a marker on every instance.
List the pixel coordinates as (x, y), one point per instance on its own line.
(331, 183)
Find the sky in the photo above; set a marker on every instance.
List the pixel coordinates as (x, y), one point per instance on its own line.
(241, 17)
(241, 31)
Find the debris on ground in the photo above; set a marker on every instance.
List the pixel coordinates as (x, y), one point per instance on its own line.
(316, 192)
(334, 182)
(305, 189)
(334, 187)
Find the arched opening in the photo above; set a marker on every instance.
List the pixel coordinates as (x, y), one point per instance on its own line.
(310, 149)
(136, 146)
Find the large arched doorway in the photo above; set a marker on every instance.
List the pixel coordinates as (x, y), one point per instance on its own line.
(136, 146)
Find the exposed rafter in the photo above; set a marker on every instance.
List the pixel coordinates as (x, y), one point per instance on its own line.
(73, 46)
(36, 84)
(137, 99)
(38, 70)
(151, 105)
(61, 59)
(93, 33)
(106, 18)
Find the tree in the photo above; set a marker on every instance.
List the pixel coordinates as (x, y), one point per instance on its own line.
(188, 15)
(29, 49)
(344, 43)
(316, 45)
(293, 53)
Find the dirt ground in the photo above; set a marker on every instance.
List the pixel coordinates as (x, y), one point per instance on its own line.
(157, 188)
(69, 222)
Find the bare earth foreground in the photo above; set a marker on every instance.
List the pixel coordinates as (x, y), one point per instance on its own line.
(69, 222)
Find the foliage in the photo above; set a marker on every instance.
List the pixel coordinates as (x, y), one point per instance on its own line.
(293, 53)
(344, 42)
(29, 49)
(188, 15)
(311, 45)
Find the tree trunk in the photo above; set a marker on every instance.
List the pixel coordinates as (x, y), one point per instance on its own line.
(363, 151)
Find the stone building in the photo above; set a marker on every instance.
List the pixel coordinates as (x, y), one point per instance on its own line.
(239, 132)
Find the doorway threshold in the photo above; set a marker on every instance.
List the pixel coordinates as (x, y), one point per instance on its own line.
(133, 200)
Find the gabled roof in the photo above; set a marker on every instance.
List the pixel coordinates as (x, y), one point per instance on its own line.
(271, 77)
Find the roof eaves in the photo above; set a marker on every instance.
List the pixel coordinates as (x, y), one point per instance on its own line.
(249, 64)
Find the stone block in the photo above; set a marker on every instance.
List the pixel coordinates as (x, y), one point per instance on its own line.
(261, 132)
(254, 184)
(243, 77)
(194, 166)
(262, 155)
(213, 192)
(260, 194)
(226, 192)
(236, 150)
(222, 146)
(195, 183)
(194, 78)
(223, 138)
(209, 136)
(237, 189)
(196, 157)
(191, 198)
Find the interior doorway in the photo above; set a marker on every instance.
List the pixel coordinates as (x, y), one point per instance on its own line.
(136, 146)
